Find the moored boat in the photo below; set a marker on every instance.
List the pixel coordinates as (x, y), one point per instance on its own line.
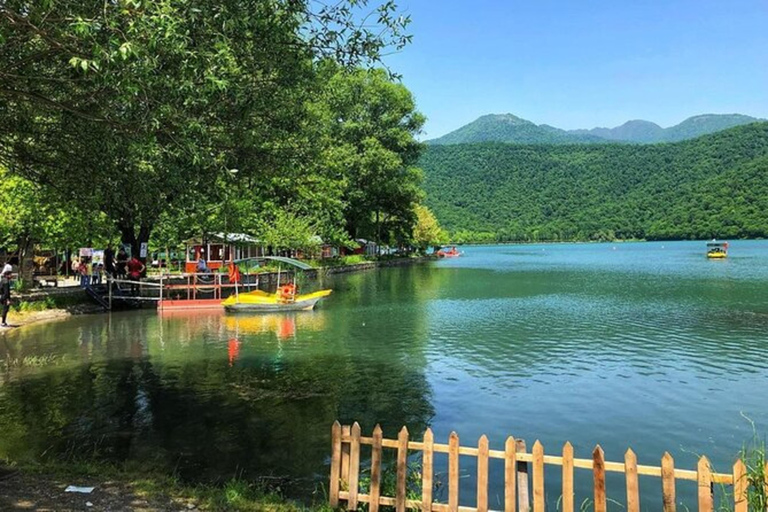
(261, 301)
(448, 253)
(285, 298)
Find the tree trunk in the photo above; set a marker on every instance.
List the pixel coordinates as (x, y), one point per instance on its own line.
(26, 264)
(128, 236)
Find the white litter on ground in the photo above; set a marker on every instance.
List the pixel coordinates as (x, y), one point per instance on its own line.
(84, 490)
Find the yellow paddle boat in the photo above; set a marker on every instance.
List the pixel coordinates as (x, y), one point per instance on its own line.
(283, 300)
(717, 250)
(286, 298)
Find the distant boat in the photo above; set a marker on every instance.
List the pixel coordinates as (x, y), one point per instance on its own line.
(717, 250)
(448, 253)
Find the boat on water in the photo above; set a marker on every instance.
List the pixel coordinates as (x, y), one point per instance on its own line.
(717, 250)
(285, 298)
(448, 252)
(282, 300)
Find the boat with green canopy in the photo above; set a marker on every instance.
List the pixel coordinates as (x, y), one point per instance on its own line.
(285, 298)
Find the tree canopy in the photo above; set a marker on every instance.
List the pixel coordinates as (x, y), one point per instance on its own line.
(137, 109)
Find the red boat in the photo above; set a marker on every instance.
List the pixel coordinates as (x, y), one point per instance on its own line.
(448, 253)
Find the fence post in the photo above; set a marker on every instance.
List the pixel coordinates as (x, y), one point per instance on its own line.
(335, 464)
(668, 482)
(523, 496)
(376, 469)
(598, 472)
(354, 467)
(402, 469)
(538, 477)
(765, 485)
(739, 486)
(568, 477)
(510, 469)
(427, 470)
(453, 472)
(482, 474)
(346, 431)
(704, 477)
(633, 489)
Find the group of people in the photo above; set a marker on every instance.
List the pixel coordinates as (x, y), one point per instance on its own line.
(116, 266)
(89, 272)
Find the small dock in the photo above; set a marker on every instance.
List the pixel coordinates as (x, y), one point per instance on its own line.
(188, 291)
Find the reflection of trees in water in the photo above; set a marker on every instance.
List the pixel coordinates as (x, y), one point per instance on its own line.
(161, 389)
(204, 418)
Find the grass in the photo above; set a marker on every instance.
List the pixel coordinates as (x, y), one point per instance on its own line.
(753, 456)
(48, 302)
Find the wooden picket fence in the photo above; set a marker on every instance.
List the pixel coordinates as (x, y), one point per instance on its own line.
(345, 474)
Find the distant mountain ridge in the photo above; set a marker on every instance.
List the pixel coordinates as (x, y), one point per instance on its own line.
(714, 186)
(510, 128)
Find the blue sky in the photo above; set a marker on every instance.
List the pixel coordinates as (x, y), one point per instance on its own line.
(581, 64)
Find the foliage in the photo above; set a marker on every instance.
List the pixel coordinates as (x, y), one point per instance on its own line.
(711, 187)
(427, 231)
(369, 125)
(31, 215)
(287, 230)
(135, 107)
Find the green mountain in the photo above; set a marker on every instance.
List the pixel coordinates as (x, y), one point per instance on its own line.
(703, 124)
(631, 131)
(712, 186)
(510, 128)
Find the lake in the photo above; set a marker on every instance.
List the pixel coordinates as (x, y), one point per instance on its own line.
(642, 345)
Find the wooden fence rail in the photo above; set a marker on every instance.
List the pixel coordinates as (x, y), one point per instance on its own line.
(345, 474)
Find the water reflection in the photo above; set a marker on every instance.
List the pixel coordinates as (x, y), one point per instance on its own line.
(207, 395)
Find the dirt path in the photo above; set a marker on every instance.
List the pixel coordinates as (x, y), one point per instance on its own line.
(43, 493)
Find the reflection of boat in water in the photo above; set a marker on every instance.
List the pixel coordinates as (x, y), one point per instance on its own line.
(448, 253)
(286, 298)
(283, 325)
(282, 300)
(717, 250)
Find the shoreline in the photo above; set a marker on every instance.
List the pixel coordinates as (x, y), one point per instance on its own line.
(17, 319)
(22, 319)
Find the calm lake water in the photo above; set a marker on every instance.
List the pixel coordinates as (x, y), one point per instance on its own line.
(642, 345)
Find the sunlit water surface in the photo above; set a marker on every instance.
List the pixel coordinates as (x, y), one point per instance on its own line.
(642, 345)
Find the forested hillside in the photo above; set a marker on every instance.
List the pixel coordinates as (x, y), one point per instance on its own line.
(510, 128)
(713, 186)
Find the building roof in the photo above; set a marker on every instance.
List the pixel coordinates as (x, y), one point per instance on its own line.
(234, 238)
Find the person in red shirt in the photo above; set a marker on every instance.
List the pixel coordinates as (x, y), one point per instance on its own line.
(135, 269)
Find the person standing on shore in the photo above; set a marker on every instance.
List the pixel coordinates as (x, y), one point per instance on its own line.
(122, 261)
(5, 293)
(109, 261)
(135, 269)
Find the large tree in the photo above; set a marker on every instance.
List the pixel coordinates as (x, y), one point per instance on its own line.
(370, 122)
(127, 106)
